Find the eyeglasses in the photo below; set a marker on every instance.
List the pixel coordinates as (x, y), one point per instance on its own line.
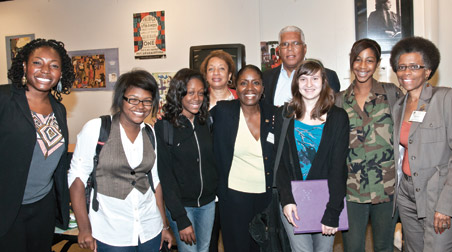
(135, 101)
(411, 67)
(295, 44)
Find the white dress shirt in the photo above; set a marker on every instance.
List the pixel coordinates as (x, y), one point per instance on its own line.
(283, 92)
(117, 222)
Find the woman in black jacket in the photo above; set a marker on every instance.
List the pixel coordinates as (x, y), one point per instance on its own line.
(243, 146)
(33, 147)
(186, 163)
(315, 147)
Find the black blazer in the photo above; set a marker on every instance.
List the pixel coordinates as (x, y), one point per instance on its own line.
(271, 76)
(17, 142)
(226, 115)
(329, 162)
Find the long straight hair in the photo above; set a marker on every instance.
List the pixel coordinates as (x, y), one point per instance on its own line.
(326, 97)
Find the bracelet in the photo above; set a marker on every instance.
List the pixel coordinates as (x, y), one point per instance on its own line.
(166, 228)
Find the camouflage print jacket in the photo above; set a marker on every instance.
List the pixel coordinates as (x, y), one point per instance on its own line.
(371, 167)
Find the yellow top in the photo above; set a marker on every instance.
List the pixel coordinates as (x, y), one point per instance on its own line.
(247, 172)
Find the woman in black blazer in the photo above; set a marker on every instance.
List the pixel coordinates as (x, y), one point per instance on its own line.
(315, 147)
(244, 189)
(33, 147)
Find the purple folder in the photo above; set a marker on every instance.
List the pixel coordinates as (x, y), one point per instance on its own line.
(311, 197)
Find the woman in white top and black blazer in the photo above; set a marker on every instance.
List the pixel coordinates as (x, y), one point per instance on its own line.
(237, 208)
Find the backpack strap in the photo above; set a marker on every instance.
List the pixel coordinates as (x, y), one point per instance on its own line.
(103, 137)
(150, 134)
(168, 133)
(152, 139)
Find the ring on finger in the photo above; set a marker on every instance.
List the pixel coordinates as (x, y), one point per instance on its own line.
(444, 225)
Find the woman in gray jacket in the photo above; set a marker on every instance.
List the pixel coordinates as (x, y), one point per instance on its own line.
(423, 147)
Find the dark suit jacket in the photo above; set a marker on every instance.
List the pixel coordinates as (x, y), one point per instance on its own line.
(271, 77)
(329, 162)
(377, 25)
(226, 115)
(17, 142)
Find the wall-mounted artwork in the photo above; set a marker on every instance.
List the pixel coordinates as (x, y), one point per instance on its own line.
(95, 69)
(269, 55)
(385, 21)
(149, 35)
(163, 80)
(13, 43)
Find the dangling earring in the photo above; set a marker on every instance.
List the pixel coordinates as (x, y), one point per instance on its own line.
(24, 80)
(59, 87)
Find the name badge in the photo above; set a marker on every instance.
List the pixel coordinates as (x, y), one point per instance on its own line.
(417, 116)
(271, 138)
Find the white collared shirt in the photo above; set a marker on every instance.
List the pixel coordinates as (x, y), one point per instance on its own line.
(117, 222)
(283, 92)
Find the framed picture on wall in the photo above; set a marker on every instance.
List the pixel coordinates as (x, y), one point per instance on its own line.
(95, 69)
(385, 21)
(13, 43)
(163, 80)
(269, 55)
(149, 35)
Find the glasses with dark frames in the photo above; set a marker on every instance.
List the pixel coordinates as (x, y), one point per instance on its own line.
(135, 101)
(410, 67)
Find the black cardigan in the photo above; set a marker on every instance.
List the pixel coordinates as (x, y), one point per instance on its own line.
(17, 143)
(329, 162)
(179, 172)
(226, 116)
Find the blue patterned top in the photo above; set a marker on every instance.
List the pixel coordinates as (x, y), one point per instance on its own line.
(307, 139)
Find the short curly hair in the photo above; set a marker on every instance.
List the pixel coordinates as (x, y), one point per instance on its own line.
(16, 72)
(224, 56)
(429, 52)
(177, 90)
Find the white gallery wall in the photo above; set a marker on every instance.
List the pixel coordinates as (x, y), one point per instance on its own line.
(329, 27)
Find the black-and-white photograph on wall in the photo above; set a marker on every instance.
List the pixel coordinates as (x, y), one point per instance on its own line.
(386, 21)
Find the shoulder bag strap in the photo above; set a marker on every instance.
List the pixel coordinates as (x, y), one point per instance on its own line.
(282, 138)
